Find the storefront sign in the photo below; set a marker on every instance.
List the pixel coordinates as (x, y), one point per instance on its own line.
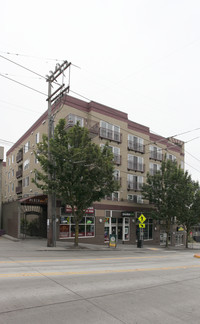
(68, 209)
(127, 214)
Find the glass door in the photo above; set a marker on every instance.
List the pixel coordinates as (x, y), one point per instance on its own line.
(126, 229)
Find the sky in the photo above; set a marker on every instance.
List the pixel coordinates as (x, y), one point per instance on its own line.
(138, 56)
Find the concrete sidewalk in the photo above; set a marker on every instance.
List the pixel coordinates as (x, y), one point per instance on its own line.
(41, 245)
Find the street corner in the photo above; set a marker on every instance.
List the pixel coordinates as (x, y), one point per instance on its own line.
(197, 255)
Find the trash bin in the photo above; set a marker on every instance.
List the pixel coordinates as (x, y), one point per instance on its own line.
(140, 243)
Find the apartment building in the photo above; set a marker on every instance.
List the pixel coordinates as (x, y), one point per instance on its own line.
(136, 151)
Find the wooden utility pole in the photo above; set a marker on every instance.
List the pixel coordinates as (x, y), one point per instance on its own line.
(51, 211)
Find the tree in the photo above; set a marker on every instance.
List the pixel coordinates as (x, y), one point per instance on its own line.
(189, 211)
(165, 190)
(81, 172)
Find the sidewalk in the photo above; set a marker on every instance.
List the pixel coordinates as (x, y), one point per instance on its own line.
(41, 245)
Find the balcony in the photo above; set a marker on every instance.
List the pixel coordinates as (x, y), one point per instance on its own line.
(19, 190)
(136, 166)
(136, 147)
(110, 135)
(19, 156)
(136, 186)
(157, 156)
(19, 173)
(117, 159)
(91, 125)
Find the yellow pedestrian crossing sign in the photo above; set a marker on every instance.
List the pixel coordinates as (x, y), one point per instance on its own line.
(142, 218)
(142, 225)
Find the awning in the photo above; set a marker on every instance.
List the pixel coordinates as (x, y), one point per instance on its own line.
(35, 200)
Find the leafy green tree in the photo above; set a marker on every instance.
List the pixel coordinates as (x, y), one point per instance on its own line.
(81, 172)
(189, 211)
(164, 190)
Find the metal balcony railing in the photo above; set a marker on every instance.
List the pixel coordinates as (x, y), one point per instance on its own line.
(110, 135)
(136, 166)
(134, 146)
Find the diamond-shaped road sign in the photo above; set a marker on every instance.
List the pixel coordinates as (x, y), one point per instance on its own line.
(142, 218)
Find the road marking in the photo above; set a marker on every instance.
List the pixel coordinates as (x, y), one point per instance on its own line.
(90, 259)
(71, 273)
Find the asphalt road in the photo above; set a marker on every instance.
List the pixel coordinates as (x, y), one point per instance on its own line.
(150, 285)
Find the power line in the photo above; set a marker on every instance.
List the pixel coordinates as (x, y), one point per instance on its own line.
(24, 85)
(23, 67)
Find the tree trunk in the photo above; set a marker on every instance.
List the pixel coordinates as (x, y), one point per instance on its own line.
(186, 242)
(76, 233)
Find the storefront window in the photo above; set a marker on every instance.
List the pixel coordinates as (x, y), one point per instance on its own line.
(67, 226)
(147, 231)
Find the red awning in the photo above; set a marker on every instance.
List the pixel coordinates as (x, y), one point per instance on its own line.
(34, 200)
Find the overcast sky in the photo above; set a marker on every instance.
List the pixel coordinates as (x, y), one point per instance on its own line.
(141, 57)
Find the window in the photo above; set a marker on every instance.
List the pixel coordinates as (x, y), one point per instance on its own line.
(135, 143)
(182, 165)
(26, 182)
(112, 132)
(155, 153)
(135, 163)
(13, 158)
(135, 198)
(8, 175)
(116, 153)
(73, 119)
(67, 226)
(13, 172)
(154, 168)
(116, 175)
(12, 188)
(26, 164)
(171, 157)
(9, 161)
(37, 138)
(134, 182)
(27, 147)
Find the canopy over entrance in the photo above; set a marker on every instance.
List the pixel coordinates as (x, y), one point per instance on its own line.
(39, 200)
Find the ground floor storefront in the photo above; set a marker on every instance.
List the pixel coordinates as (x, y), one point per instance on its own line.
(127, 224)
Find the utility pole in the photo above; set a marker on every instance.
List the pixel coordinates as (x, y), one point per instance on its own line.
(51, 210)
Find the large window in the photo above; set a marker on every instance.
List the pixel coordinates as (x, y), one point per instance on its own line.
(135, 163)
(134, 182)
(171, 157)
(147, 231)
(109, 131)
(135, 199)
(67, 226)
(116, 152)
(155, 153)
(154, 168)
(74, 119)
(135, 143)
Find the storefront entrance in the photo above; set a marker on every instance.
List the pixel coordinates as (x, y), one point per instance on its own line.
(118, 225)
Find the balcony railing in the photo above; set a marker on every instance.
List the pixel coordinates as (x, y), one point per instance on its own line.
(117, 159)
(110, 135)
(19, 190)
(19, 174)
(136, 166)
(91, 125)
(156, 156)
(136, 186)
(19, 156)
(133, 146)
